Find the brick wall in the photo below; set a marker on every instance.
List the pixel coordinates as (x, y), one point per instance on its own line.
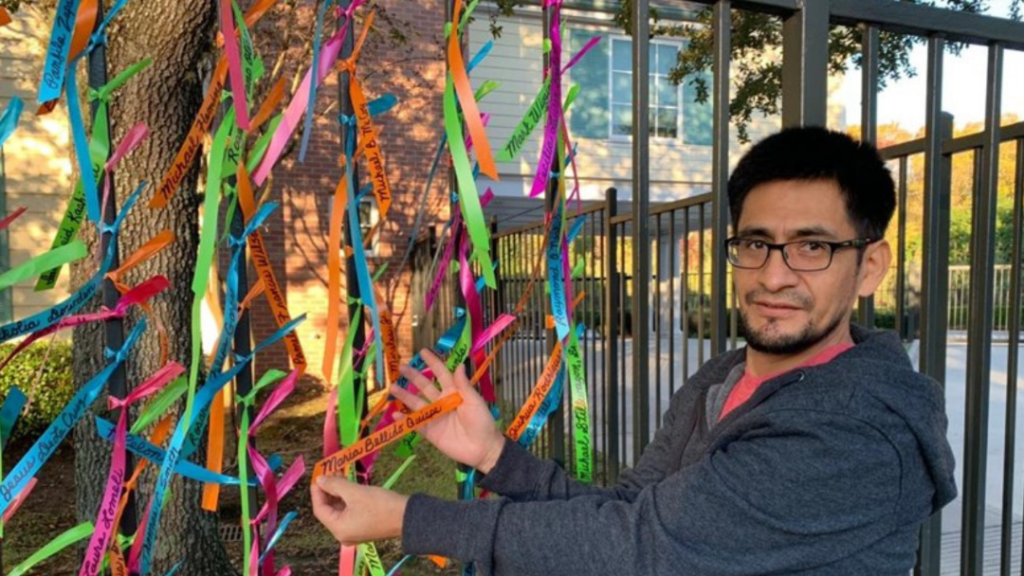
(297, 235)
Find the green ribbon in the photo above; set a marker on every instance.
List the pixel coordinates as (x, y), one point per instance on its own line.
(371, 559)
(580, 408)
(259, 149)
(246, 403)
(252, 64)
(69, 537)
(534, 114)
(469, 198)
(397, 473)
(55, 258)
(160, 404)
(207, 251)
(577, 271)
(99, 151)
(348, 413)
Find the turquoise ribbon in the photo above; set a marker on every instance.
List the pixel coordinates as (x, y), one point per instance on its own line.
(55, 66)
(47, 444)
(144, 449)
(9, 121)
(10, 412)
(202, 399)
(51, 316)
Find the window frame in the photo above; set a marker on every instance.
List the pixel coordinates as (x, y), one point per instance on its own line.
(613, 39)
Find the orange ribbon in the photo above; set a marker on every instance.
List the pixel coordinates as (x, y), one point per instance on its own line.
(470, 111)
(201, 125)
(337, 463)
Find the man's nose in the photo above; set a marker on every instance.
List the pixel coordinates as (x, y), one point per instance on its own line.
(776, 274)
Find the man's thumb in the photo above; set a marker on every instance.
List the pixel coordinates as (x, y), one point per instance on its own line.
(333, 485)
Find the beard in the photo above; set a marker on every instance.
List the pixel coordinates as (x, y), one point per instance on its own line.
(786, 344)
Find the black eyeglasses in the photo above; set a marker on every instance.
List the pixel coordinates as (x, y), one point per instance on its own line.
(799, 255)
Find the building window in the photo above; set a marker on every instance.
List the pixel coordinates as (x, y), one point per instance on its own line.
(665, 112)
(604, 107)
(369, 216)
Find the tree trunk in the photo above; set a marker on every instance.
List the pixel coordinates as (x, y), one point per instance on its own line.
(177, 35)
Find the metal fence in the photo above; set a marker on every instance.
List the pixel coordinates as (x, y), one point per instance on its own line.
(657, 301)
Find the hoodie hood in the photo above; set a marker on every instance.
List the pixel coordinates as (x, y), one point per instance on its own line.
(884, 371)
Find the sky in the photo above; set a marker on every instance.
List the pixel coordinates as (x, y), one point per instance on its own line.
(964, 85)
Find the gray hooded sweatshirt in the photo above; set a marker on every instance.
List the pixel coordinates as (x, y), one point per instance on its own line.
(826, 470)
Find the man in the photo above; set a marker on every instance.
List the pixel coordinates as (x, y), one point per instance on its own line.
(815, 450)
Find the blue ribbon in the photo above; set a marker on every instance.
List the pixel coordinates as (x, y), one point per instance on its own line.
(55, 66)
(9, 121)
(359, 255)
(144, 449)
(202, 400)
(278, 533)
(10, 412)
(51, 316)
(556, 278)
(314, 72)
(47, 444)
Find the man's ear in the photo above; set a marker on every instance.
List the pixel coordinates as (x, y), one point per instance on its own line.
(874, 266)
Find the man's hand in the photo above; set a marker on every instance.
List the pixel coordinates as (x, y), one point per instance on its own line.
(355, 513)
(468, 434)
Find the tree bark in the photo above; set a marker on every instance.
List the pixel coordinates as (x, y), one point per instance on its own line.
(177, 35)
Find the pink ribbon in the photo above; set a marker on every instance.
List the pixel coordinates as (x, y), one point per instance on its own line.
(12, 217)
(100, 541)
(227, 24)
(141, 293)
(19, 499)
(297, 107)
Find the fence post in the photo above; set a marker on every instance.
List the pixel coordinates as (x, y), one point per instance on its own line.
(805, 65)
(722, 24)
(611, 338)
(979, 330)
(935, 269)
(870, 48)
(114, 328)
(641, 249)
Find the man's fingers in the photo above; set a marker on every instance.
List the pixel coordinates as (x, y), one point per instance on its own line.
(462, 383)
(423, 384)
(411, 401)
(333, 486)
(441, 372)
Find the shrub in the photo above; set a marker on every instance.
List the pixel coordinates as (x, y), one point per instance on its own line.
(43, 373)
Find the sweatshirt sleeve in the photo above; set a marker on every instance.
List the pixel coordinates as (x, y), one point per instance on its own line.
(521, 476)
(800, 491)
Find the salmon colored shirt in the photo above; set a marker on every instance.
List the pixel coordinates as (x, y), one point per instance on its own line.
(749, 383)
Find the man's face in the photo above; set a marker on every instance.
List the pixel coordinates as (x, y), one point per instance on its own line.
(787, 312)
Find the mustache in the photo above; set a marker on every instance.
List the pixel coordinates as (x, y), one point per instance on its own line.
(790, 298)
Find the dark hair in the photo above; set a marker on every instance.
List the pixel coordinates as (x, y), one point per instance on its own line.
(819, 154)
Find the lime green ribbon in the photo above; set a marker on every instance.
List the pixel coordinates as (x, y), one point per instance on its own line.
(348, 411)
(207, 251)
(160, 404)
(55, 258)
(469, 197)
(69, 537)
(246, 403)
(580, 409)
(99, 151)
(371, 559)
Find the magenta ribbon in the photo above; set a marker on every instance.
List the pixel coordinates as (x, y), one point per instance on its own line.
(300, 100)
(100, 541)
(12, 217)
(138, 295)
(547, 153)
(266, 475)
